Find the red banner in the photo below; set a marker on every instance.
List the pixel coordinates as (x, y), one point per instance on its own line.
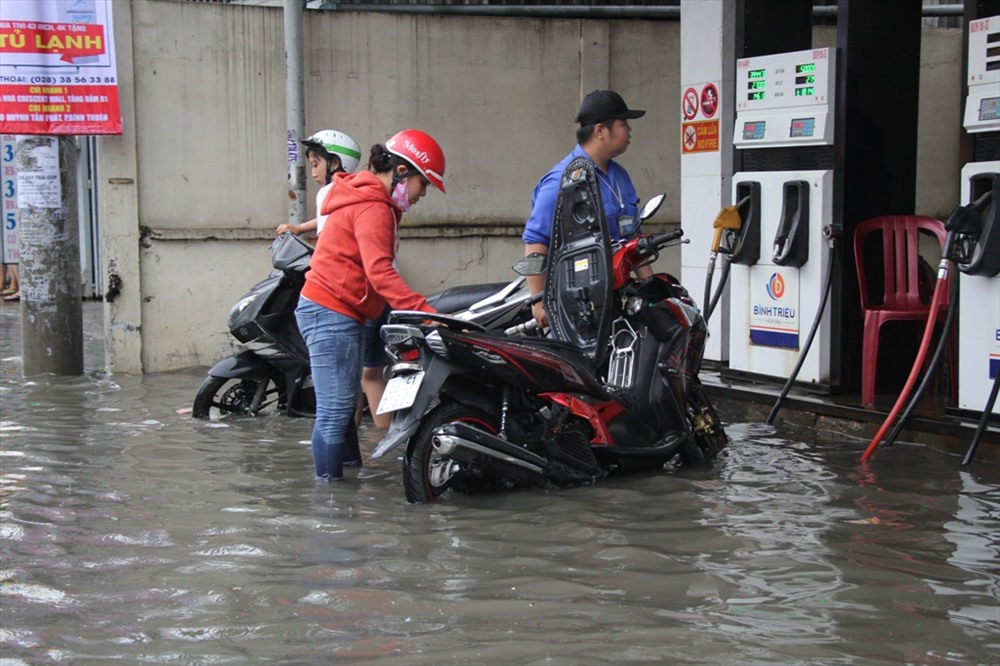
(67, 40)
(57, 69)
(66, 109)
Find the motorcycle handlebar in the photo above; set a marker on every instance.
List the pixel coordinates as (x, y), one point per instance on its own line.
(664, 238)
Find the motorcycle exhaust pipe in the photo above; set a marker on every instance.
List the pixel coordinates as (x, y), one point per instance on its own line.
(466, 451)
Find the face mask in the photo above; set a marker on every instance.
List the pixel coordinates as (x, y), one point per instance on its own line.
(401, 196)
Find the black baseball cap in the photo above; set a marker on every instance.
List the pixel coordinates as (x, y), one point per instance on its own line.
(602, 105)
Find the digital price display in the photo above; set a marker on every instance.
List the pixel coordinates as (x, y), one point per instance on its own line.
(756, 83)
(982, 97)
(753, 131)
(989, 108)
(805, 76)
(788, 93)
(802, 127)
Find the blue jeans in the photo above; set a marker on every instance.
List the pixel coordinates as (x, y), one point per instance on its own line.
(374, 347)
(334, 342)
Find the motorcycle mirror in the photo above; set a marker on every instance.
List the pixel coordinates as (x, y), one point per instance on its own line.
(652, 206)
(532, 264)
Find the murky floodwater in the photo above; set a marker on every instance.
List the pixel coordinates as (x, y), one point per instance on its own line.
(134, 534)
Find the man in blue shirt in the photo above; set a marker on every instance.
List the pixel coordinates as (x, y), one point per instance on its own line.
(604, 134)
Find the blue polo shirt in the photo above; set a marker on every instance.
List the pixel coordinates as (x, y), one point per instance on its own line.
(617, 194)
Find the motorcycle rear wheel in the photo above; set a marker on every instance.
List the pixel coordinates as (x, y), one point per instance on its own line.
(427, 475)
(709, 438)
(219, 397)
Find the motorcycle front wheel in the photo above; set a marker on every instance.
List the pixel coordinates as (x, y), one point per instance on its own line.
(708, 435)
(219, 397)
(426, 475)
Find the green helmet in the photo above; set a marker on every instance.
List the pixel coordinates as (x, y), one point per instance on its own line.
(331, 143)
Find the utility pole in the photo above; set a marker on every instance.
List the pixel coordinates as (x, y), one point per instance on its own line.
(48, 219)
(295, 113)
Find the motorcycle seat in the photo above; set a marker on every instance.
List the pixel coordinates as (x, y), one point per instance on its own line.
(462, 297)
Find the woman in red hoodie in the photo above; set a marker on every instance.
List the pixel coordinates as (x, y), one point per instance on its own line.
(351, 278)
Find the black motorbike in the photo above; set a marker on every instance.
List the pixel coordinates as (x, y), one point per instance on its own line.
(272, 375)
(613, 390)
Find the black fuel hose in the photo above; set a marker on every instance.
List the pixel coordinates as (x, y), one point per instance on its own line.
(827, 284)
(718, 290)
(981, 428)
(706, 300)
(935, 359)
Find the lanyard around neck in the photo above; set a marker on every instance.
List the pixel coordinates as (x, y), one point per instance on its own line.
(615, 190)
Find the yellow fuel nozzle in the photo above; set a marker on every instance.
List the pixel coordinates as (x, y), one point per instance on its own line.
(728, 218)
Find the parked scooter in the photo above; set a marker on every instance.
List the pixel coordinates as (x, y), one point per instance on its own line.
(272, 375)
(616, 391)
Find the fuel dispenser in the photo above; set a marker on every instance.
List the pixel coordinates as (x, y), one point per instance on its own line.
(979, 257)
(785, 132)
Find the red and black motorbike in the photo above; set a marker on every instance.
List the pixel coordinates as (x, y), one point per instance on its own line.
(614, 388)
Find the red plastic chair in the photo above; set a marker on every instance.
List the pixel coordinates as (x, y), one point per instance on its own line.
(901, 300)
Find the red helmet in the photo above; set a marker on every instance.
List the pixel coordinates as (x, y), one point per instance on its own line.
(422, 151)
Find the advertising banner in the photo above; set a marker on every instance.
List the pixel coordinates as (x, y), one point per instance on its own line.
(57, 68)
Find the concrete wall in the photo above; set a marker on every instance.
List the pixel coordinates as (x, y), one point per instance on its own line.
(192, 190)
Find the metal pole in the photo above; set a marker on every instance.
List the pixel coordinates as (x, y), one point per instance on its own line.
(48, 218)
(295, 113)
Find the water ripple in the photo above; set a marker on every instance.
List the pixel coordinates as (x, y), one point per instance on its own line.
(131, 533)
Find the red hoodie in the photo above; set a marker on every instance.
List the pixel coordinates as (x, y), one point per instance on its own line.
(352, 270)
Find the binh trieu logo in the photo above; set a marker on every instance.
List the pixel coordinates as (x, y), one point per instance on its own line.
(775, 290)
(776, 286)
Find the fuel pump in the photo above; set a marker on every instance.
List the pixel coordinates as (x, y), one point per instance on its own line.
(785, 132)
(973, 246)
(977, 248)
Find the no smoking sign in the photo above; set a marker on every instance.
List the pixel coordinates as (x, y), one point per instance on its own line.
(709, 100)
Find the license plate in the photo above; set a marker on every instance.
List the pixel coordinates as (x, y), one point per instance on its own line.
(400, 392)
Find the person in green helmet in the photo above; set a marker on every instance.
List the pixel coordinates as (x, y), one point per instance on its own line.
(327, 152)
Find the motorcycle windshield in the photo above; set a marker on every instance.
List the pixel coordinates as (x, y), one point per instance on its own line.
(579, 286)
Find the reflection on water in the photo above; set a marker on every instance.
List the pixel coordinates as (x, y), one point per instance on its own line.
(132, 532)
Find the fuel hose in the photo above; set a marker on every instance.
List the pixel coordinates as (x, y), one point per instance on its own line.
(718, 291)
(831, 235)
(963, 223)
(935, 359)
(728, 218)
(707, 298)
(981, 428)
(943, 271)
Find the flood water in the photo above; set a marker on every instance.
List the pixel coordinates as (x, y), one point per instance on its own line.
(131, 533)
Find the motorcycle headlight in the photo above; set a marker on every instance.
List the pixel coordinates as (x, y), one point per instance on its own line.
(240, 306)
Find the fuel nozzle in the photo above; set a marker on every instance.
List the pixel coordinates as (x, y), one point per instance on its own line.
(728, 219)
(964, 226)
